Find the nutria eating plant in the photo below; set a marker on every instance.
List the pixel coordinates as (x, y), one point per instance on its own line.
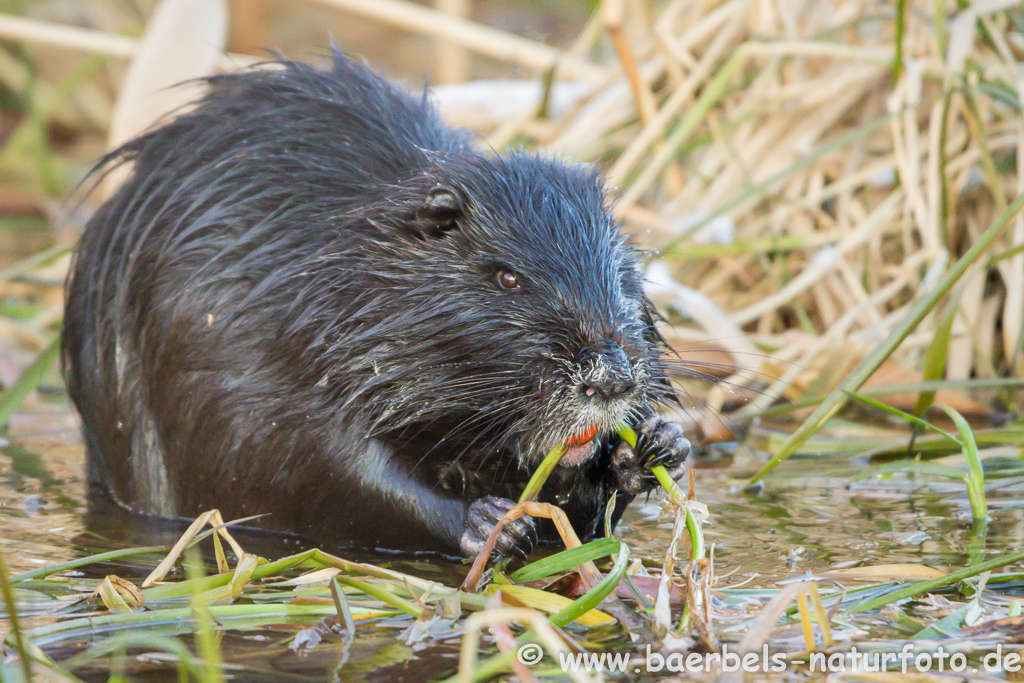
(313, 301)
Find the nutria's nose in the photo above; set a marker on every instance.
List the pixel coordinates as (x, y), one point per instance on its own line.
(606, 371)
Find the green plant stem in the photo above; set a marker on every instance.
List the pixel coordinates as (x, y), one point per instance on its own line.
(50, 569)
(28, 380)
(901, 29)
(938, 582)
(382, 594)
(692, 525)
(90, 627)
(629, 436)
(541, 474)
(12, 613)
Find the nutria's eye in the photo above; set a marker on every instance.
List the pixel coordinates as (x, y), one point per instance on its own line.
(507, 280)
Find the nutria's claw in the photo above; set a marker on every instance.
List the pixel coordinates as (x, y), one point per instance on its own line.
(516, 539)
(658, 442)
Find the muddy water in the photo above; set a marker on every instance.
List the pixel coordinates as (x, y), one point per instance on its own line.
(815, 515)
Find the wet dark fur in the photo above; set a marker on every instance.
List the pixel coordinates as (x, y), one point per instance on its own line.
(290, 308)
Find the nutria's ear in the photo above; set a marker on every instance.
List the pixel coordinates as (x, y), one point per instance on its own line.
(441, 211)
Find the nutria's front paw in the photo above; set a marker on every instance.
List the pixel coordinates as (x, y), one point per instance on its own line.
(658, 442)
(517, 538)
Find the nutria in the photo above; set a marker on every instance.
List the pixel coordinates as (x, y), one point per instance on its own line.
(313, 301)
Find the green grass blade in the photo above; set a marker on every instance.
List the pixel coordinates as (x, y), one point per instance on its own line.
(934, 469)
(934, 366)
(901, 414)
(566, 560)
(901, 388)
(382, 594)
(594, 596)
(975, 472)
(762, 189)
(919, 587)
(12, 615)
(51, 569)
(901, 30)
(28, 380)
(943, 626)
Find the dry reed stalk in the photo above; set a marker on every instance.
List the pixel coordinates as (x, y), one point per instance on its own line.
(29, 30)
(500, 45)
(614, 21)
(33, 31)
(248, 25)
(450, 60)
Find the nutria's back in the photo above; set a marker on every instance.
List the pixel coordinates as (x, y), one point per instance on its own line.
(313, 300)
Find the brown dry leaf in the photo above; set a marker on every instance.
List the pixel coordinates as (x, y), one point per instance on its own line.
(648, 585)
(1007, 627)
(905, 572)
(16, 202)
(214, 518)
(119, 595)
(183, 41)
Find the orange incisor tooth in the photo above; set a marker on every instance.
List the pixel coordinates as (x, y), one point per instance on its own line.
(580, 439)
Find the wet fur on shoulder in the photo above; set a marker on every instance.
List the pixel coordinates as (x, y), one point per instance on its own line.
(291, 307)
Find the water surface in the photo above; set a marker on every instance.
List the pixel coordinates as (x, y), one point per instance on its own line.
(815, 514)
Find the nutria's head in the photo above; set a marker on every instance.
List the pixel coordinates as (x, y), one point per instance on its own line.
(515, 315)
